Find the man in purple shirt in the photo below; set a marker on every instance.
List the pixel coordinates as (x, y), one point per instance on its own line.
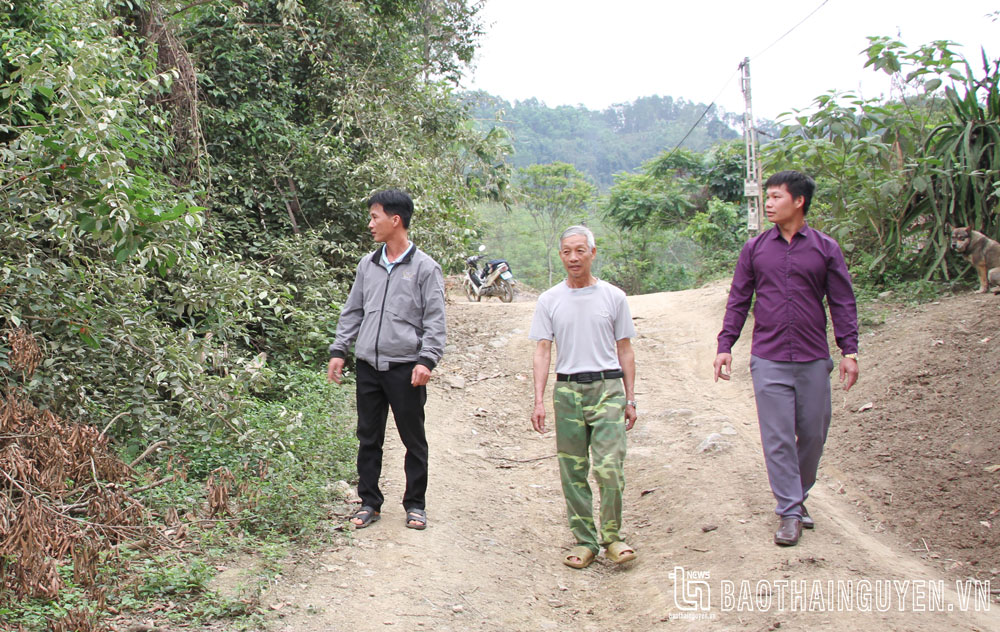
(791, 267)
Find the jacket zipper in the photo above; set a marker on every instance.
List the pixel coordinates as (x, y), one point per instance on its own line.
(381, 313)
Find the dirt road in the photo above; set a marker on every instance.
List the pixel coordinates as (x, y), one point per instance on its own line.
(701, 521)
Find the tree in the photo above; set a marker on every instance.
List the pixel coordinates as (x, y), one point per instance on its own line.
(600, 143)
(556, 195)
(160, 241)
(673, 186)
(309, 106)
(853, 147)
(893, 174)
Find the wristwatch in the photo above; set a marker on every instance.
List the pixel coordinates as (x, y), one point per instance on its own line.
(630, 402)
(852, 356)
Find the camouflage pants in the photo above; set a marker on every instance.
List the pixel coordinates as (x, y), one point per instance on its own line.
(590, 420)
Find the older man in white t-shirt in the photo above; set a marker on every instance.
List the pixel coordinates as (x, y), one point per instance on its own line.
(594, 398)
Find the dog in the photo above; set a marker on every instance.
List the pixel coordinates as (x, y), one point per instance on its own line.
(982, 252)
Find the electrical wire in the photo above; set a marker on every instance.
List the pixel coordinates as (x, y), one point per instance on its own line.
(729, 80)
(771, 45)
(703, 114)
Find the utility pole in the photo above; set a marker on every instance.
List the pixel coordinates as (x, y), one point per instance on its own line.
(751, 183)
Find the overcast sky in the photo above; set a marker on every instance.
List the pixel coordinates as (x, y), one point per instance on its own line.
(599, 52)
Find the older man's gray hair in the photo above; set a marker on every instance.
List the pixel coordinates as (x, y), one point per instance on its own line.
(579, 230)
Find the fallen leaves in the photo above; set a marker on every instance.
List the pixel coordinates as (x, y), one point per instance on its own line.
(52, 472)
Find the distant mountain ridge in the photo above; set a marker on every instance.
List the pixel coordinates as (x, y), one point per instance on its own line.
(601, 143)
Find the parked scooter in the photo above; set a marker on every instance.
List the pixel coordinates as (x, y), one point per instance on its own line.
(495, 279)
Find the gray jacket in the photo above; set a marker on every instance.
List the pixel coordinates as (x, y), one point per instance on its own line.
(395, 317)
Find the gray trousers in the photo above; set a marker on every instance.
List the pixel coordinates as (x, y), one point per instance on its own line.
(793, 411)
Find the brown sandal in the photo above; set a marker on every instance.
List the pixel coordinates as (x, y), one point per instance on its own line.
(619, 552)
(583, 557)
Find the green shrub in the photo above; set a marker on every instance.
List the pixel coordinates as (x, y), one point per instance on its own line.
(283, 454)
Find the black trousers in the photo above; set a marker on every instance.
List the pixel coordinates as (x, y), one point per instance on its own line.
(377, 392)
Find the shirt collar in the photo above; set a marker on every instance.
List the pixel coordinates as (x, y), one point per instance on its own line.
(385, 258)
(804, 231)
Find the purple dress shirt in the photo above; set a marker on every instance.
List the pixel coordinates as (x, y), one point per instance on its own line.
(790, 280)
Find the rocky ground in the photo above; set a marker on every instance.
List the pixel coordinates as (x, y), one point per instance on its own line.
(905, 506)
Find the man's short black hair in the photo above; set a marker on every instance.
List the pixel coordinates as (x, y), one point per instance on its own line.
(394, 202)
(797, 183)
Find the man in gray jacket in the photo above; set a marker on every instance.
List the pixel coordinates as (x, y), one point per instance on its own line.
(395, 316)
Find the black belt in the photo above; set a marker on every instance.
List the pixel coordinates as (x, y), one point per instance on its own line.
(586, 378)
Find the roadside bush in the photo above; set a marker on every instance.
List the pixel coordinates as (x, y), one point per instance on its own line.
(283, 456)
(646, 259)
(720, 232)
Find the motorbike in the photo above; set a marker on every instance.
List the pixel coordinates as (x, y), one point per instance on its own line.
(495, 279)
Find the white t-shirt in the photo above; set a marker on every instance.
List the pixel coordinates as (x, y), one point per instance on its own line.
(585, 323)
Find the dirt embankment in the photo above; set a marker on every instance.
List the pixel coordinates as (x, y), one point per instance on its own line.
(924, 449)
(904, 507)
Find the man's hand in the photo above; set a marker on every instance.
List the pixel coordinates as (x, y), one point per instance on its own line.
(848, 372)
(420, 376)
(723, 361)
(539, 375)
(335, 370)
(630, 417)
(538, 418)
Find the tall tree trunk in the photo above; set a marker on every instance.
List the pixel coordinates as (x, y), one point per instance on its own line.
(288, 204)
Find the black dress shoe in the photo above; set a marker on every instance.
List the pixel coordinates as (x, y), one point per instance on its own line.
(789, 531)
(807, 521)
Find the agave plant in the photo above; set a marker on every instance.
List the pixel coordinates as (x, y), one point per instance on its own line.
(955, 179)
(894, 174)
(959, 180)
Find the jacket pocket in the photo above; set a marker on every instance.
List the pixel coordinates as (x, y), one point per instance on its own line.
(401, 333)
(364, 346)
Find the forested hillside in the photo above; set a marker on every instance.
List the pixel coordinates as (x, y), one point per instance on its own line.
(601, 143)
